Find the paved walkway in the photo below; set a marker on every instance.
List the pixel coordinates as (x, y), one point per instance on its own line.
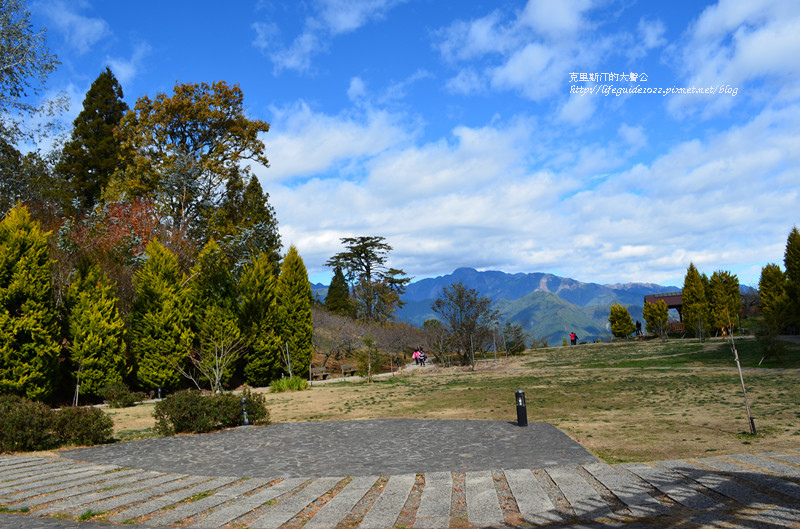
(375, 477)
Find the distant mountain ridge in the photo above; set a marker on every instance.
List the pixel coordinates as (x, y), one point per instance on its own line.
(546, 305)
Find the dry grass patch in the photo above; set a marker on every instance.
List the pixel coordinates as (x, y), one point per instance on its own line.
(623, 402)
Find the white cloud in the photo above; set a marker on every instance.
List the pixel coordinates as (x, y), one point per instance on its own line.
(302, 142)
(126, 70)
(557, 20)
(81, 32)
(577, 109)
(329, 19)
(357, 90)
(746, 45)
(344, 16)
(651, 33)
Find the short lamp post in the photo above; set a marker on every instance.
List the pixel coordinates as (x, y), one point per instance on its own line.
(522, 410)
(245, 420)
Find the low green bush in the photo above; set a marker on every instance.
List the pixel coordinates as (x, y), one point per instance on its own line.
(83, 426)
(118, 395)
(190, 412)
(257, 412)
(26, 425)
(288, 384)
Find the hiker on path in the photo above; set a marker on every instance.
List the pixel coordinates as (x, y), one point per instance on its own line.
(415, 356)
(573, 338)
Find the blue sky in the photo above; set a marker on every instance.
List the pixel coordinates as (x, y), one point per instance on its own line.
(456, 130)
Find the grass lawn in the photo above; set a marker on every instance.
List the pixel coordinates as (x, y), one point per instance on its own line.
(634, 401)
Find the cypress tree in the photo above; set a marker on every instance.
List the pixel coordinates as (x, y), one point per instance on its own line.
(772, 288)
(656, 316)
(621, 323)
(97, 332)
(725, 299)
(29, 346)
(338, 298)
(791, 263)
(695, 304)
(295, 301)
(215, 319)
(160, 320)
(92, 154)
(259, 322)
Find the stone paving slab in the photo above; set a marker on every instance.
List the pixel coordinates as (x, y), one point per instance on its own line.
(768, 464)
(158, 503)
(761, 490)
(483, 507)
(584, 499)
(29, 490)
(434, 506)
(246, 504)
(533, 502)
(389, 505)
(673, 486)
(122, 477)
(340, 505)
(623, 486)
(286, 510)
(325, 448)
(222, 495)
(769, 481)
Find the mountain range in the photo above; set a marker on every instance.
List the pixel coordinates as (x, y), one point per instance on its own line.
(547, 306)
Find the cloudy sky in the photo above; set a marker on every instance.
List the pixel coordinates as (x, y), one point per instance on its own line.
(519, 136)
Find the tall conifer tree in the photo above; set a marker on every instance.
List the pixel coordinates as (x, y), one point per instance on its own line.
(160, 320)
(218, 337)
(295, 300)
(97, 332)
(725, 300)
(92, 154)
(338, 298)
(774, 299)
(791, 263)
(259, 321)
(29, 331)
(695, 303)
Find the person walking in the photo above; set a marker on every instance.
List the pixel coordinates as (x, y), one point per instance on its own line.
(573, 338)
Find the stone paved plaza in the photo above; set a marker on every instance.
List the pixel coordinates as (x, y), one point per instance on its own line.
(391, 473)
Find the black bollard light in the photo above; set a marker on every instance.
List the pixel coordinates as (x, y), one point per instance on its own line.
(159, 392)
(245, 421)
(522, 410)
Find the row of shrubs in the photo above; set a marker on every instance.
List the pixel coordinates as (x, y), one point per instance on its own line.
(28, 425)
(189, 411)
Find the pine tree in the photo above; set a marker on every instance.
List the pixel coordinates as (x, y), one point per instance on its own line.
(160, 320)
(259, 322)
(695, 304)
(621, 323)
(97, 332)
(92, 154)
(338, 298)
(29, 331)
(791, 263)
(295, 300)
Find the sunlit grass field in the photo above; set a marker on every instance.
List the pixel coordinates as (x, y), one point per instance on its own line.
(628, 401)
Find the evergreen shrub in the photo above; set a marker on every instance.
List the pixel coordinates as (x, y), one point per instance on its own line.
(288, 384)
(82, 426)
(189, 411)
(25, 426)
(118, 395)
